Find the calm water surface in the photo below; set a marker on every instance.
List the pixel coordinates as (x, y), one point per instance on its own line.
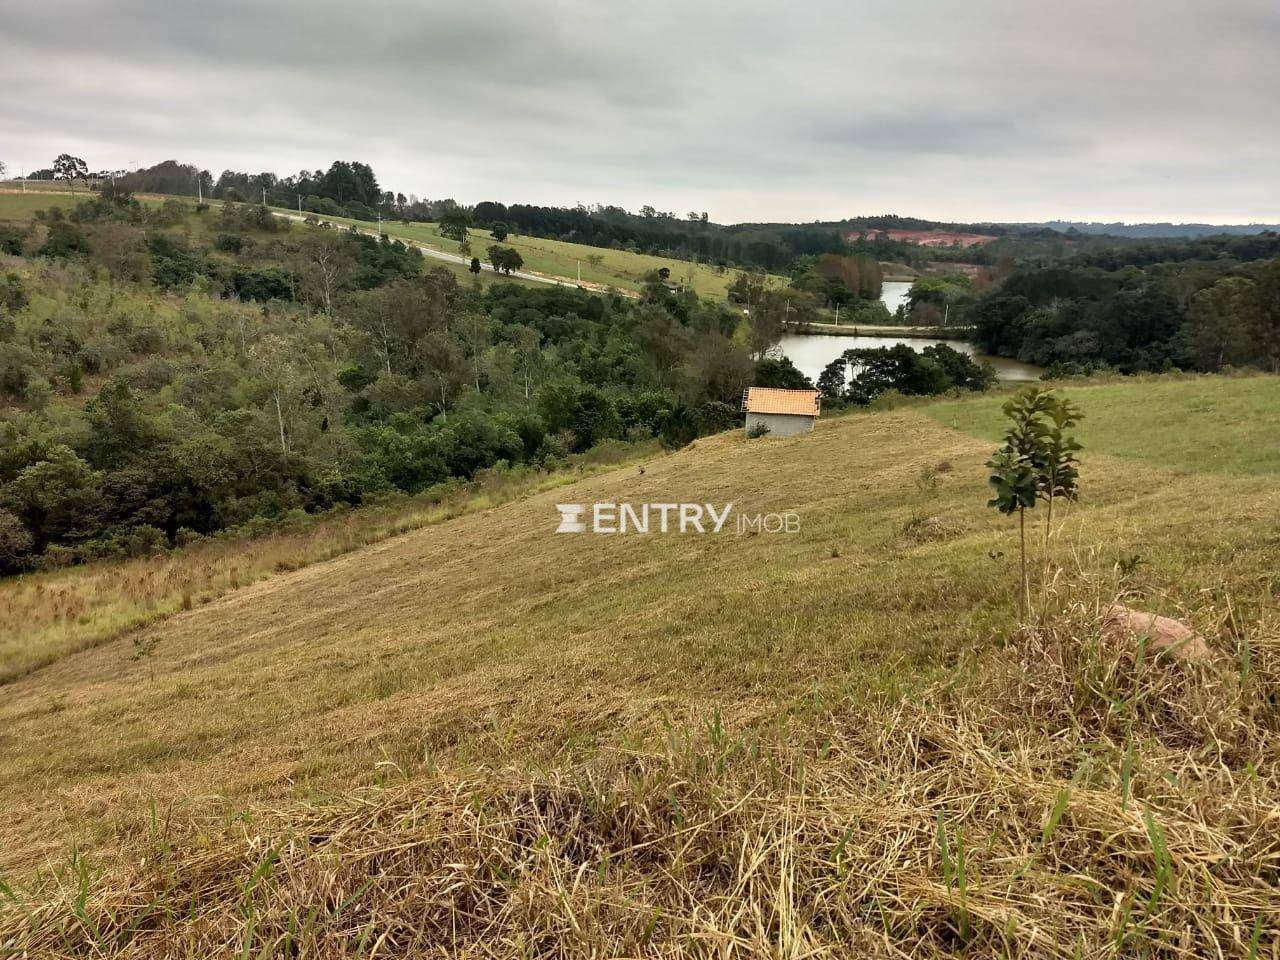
(894, 293)
(811, 352)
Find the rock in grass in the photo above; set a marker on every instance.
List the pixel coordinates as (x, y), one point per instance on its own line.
(1163, 634)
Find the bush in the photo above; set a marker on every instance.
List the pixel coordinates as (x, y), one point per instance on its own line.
(11, 240)
(15, 542)
(757, 430)
(65, 240)
(716, 417)
(13, 294)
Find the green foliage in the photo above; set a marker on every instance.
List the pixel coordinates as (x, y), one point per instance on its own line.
(1037, 462)
(235, 372)
(839, 279)
(64, 240)
(13, 293)
(780, 372)
(12, 239)
(456, 223)
(928, 372)
(1211, 304)
(505, 259)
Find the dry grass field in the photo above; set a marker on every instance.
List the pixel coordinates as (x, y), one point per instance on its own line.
(50, 614)
(481, 738)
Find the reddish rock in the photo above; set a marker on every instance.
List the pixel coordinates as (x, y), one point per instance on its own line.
(1162, 633)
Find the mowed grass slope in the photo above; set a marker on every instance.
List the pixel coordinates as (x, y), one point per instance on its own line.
(19, 206)
(599, 267)
(488, 637)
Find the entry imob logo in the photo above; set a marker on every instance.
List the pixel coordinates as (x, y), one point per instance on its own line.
(668, 518)
(570, 518)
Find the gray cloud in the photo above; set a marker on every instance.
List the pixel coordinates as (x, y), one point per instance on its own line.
(752, 111)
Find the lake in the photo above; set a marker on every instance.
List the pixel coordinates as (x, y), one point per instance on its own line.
(894, 293)
(811, 352)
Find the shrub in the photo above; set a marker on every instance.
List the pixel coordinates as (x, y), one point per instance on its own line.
(15, 542)
(11, 240)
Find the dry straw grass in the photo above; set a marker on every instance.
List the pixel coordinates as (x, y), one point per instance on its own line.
(1080, 799)
(47, 615)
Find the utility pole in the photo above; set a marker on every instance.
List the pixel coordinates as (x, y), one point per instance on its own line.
(264, 196)
(579, 273)
(837, 314)
(379, 223)
(299, 204)
(199, 190)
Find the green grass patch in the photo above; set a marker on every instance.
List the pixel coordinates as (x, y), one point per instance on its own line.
(1207, 424)
(23, 206)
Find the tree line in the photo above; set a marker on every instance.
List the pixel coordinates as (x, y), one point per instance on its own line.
(1204, 304)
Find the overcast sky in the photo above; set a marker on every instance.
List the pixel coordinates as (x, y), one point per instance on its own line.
(974, 110)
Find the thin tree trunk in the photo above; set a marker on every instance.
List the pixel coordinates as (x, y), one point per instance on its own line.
(284, 449)
(1022, 538)
(1048, 524)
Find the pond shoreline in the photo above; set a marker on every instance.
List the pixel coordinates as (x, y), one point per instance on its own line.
(812, 351)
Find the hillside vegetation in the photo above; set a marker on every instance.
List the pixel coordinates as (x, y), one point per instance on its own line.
(601, 268)
(169, 374)
(485, 738)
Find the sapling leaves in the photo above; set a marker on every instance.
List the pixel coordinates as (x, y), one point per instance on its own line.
(1037, 462)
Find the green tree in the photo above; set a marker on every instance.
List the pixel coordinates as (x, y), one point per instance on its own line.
(1037, 462)
(505, 259)
(323, 269)
(499, 232)
(475, 265)
(57, 499)
(15, 542)
(65, 240)
(69, 168)
(1266, 317)
(455, 223)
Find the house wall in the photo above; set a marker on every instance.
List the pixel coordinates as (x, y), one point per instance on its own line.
(781, 424)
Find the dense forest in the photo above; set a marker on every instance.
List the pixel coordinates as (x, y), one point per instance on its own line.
(168, 372)
(1205, 305)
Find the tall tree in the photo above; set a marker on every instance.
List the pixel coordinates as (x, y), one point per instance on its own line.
(69, 168)
(455, 224)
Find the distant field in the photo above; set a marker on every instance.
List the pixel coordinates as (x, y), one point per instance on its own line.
(22, 206)
(617, 269)
(555, 258)
(45, 186)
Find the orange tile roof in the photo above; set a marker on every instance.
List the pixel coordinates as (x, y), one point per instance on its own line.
(774, 400)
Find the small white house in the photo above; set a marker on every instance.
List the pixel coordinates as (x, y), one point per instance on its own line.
(783, 412)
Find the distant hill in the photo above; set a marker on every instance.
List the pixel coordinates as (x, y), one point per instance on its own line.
(1152, 230)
